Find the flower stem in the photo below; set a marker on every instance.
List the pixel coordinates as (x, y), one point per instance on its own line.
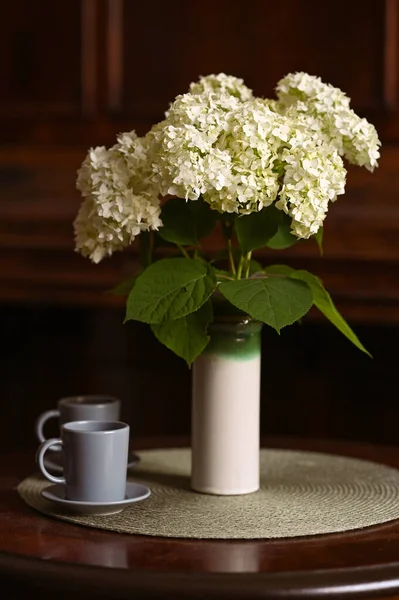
(231, 259)
(247, 264)
(183, 251)
(240, 267)
(228, 229)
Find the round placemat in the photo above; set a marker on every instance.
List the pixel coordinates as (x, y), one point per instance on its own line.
(302, 493)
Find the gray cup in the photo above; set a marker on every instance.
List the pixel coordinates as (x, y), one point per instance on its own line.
(80, 408)
(95, 460)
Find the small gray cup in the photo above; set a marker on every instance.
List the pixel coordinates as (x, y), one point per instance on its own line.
(80, 408)
(95, 460)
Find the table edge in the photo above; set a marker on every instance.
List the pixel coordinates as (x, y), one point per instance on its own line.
(356, 582)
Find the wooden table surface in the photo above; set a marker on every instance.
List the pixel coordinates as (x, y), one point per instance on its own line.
(51, 556)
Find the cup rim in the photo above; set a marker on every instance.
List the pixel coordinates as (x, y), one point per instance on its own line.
(112, 426)
(95, 400)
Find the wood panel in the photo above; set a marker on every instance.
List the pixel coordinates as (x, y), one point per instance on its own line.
(40, 50)
(76, 73)
(38, 193)
(38, 203)
(260, 43)
(391, 49)
(49, 71)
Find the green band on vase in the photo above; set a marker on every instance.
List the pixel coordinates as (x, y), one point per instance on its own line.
(237, 340)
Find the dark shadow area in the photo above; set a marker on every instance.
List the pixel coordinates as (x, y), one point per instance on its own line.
(314, 382)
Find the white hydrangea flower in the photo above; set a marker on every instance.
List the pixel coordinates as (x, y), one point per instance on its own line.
(302, 87)
(359, 139)
(182, 145)
(223, 84)
(252, 143)
(221, 148)
(121, 198)
(314, 175)
(238, 152)
(354, 137)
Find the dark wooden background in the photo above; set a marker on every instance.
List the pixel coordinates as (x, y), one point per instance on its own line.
(73, 74)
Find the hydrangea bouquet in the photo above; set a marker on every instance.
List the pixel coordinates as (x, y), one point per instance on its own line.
(261, 171)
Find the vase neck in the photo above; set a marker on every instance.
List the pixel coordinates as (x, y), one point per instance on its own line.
(238, 338)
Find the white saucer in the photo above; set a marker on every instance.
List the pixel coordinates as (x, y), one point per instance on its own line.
(53, 461)
(134, 493)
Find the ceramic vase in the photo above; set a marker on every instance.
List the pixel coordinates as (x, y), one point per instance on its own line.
(225, 430)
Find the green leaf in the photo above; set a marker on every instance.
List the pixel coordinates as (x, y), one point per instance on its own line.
(283, 237)
(169, 289)
(145, 249)
(256, 229)
(125, 287)
(255, 267)
(324, 303)
(277, 302)
(186, 222)
(319, 239)
(187, 337)
(279, 270)
(159, 242)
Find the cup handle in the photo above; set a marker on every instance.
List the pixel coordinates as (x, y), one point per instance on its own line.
(48, 414)
(40, 459)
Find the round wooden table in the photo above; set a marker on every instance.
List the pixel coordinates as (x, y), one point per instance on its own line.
(63, 560)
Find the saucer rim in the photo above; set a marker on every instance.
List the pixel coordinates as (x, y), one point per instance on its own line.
(48, 495)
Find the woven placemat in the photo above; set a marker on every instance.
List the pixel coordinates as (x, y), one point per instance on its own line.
(302, 493)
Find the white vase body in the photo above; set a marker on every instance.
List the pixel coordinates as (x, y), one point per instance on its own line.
(226, 410)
